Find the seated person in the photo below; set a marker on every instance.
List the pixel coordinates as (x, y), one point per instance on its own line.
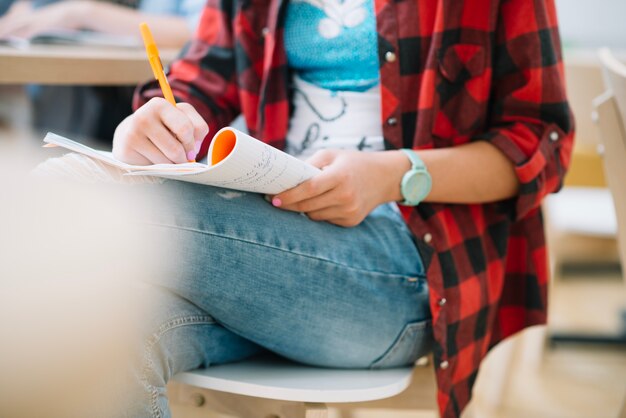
(94, 112)
(462, 92)
(172, 22)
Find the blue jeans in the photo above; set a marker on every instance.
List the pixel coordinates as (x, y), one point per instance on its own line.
(242, 277)
(250, 277)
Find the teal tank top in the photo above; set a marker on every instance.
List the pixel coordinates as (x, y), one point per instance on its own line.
(333, 43)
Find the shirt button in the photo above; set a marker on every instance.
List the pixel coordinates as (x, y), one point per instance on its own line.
(265, 31)
(428, 238)
(444, 364)
(442, 301)
(390, 56)
(392, 121)
(554, 136)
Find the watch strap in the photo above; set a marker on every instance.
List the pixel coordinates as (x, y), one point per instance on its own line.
(416, 161)
(417, 166)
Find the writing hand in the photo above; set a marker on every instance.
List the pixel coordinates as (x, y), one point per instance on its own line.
(65, 15)
(159, 133)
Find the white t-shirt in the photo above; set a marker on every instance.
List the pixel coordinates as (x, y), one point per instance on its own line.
(333, 119)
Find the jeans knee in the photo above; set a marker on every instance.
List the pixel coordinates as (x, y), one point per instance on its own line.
(166, 351)
(170, 348)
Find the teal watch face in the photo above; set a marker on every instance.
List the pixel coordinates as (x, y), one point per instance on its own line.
(416, 186)
(416, 183)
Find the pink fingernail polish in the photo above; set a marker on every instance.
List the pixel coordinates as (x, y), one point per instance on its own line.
(191, 155)
(277, 202)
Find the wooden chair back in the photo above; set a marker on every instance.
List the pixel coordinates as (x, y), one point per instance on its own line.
(611, 117)
(610, 110)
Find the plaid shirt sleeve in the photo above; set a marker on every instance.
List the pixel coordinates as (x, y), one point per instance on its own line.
(528, 119)
(478, 70)
(530, 122)
(204, 75)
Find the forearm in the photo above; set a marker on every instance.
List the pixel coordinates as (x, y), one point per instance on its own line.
(472, 173)
(353, 183)
(168, 31)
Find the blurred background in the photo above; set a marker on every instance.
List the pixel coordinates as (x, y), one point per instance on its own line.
(573, 368)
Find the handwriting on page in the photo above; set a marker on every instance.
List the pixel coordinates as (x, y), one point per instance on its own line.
(260, 167)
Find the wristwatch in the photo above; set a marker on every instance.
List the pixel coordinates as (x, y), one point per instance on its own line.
(416, 183)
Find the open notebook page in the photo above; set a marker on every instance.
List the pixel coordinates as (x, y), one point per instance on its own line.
(107, 157)
(238, 161)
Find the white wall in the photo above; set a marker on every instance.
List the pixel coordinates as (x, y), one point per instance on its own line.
(593, 23)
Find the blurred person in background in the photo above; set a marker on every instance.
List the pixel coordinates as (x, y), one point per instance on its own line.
(94, 112)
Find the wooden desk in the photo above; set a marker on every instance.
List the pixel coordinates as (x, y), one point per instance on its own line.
(76, 65)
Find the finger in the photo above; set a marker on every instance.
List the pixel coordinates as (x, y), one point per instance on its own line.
(129, 156)
(135, 158)
(325, 200)
(315, 186)
(326, 214)
(29, 30)
(180, 125)
(322, 158)
(12, 28)
(343, 222)
(151, 152)
(335, 220)
(201, 128)
(167, 143)
(32, 24)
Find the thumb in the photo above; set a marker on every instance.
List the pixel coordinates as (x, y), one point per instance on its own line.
(322, 158)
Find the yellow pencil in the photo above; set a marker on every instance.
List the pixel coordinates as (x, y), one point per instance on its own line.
(155, 63)
(157, 66)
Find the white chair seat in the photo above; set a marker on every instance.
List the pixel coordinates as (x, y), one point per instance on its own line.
(583, 210)
(275, 378)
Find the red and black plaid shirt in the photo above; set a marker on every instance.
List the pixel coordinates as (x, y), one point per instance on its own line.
(452, 71)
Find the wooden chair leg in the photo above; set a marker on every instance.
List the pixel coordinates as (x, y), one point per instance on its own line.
(189, 401)
(622, 413)
(304, 410)
(315, 410)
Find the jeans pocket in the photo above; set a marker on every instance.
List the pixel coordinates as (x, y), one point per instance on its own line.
(414, 341)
